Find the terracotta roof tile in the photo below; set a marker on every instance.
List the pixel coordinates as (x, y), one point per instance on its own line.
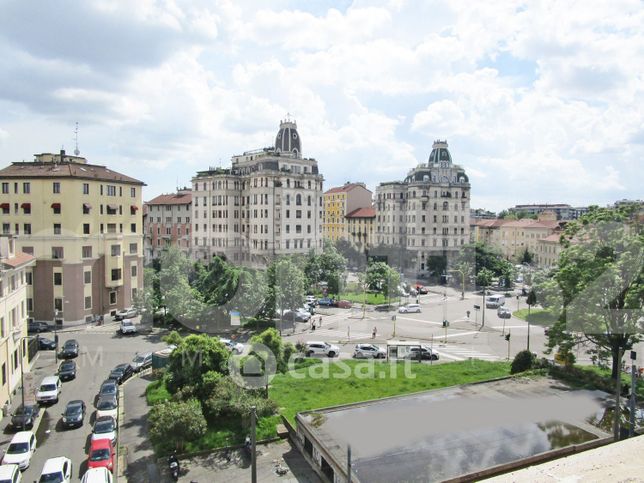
(344, 188)
(368, 212)
(171, 199)
(65, 170)
(18, 259)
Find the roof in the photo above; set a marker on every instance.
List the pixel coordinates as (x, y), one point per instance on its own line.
(345, 188)
(18, 260)
(171, 199)
(64, 170)
(52, 465)
(368, 212)
(554, 238)
(22, 436)
(524, 223)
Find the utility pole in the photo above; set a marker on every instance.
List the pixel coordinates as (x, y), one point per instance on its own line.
(349, 464)
(631, 429)
(253, 440)
(507, 337)
(483, 309)
(618, 389)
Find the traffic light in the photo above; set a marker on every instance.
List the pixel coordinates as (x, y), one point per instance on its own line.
(507, 337)
(445, 323)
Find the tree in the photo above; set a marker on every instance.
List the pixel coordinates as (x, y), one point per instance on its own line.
(600, 283)
(484, 277)
(332, 266)
(382, 278)
(253, 287)
(183, 302)
(523, 361)
(173, 423)
(527, 257)
(194, 356)
(531, 299)
(288, 285)
(147, 300)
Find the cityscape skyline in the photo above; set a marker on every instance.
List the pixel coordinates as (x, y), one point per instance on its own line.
(538, 103)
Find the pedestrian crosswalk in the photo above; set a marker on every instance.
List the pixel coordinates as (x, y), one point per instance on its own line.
(460, 353)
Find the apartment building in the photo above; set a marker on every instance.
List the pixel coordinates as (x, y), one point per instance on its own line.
(167, 223)
(338, 203)
(428, 213)
(268, 203)
(360, 227)
(83, 224)
(548, 250)
(15, 296)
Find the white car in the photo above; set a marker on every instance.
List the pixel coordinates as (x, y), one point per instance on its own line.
(20, 449)
(235, 347)
(310, 299)
(321, 348)
(409, 308)
(104, 428)
(58, 470)
(10, 474)
(49, 390)
(107, 406)
(366, 351)
(97, 475)
(125, 313)
(127, 327)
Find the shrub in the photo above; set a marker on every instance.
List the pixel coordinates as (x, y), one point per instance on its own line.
(172, 424)
(522, 362)
(228, 400)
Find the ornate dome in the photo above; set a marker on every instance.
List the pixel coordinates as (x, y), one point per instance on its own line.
(288, 139)
(439, 153)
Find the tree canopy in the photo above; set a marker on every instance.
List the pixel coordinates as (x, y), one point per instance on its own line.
(194, 356)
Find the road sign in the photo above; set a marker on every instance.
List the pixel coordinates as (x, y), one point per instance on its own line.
(477, 307)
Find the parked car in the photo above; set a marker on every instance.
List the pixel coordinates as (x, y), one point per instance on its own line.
(104, 428)
(101, 454)
(109, 388)
(413, 292)
(10, 474)
(20, 450)
(141, 361)
(45, 344)
(423, 353)
(56, 470)
(234, 347)
(49, 390)
(107, 406)
(384, 307)
(127, 313)
(97, 475)
(34, 327)
(70, 349)
(504, 312)
(127, 327)
(494, 301)
(121, 373)
(367, 351)
(409, 308)
(343, 304)
(295, 316)
(422, 290)
(321, 348)
(310, 299)
(24, 417)
(67, 370)
(74, 414)
(326, 302)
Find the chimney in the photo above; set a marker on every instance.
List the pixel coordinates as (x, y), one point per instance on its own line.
(62, 155)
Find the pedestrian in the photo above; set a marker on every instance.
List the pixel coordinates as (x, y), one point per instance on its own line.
(320, 321)
(373, 334)
(468, 314)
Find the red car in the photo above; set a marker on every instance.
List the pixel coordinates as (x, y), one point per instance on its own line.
(101, 454)
(421, 290)
(343, 304)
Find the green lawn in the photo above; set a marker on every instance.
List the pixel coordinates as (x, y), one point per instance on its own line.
(294, 394)
(626, 378)
(372, 298)
(156, 393)
(537, 316)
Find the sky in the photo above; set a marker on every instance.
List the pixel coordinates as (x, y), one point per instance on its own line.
(540, 101)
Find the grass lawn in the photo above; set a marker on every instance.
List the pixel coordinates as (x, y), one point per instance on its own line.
(372, 298)
(156, 393)
(626, 378)
(537, 316)
(310, 392)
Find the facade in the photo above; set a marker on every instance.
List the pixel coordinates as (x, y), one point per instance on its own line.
(561, 210)
(482, 214)
(360, 226)
(268, 203)
(15, 295)
(338, 203)
(167, 223)
(548, 250)
(83, 223)
(428, 213)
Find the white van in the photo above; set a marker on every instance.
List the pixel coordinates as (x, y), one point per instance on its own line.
(494, 301)
(409, 308)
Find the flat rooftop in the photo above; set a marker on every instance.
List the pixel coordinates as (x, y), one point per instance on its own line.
(442, 434)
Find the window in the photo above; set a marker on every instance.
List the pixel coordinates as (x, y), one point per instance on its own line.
(116, 274)
(116, 250)
(88, 302)
(57, 252)
(26, 188)
(56, 207)
(58, 278)
(133, 270)
(6, 228)
(29, 278)
(26, 229)
(87, 207)
(133, 192)
(86, 228)
(87, 251)
(28, 250)
(57, 228)
(87, 276)
(132, 227)
(111, 190)
(5, 188)
(30, 304)
(133, 248)
(56, 187)
(58, 304)
(85, 188)
(112, 298)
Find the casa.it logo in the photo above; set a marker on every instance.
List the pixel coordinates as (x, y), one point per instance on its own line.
(254, 368)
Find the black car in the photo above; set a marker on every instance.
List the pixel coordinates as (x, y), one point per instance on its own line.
(67, 370)
(34, 327)
(74, 414)
(70, 349)
(45, 344)
(23, 418)
(121, 373)
(423, 353)
(384, 308)
(109, 388)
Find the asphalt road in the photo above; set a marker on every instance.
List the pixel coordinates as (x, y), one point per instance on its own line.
(100, 350)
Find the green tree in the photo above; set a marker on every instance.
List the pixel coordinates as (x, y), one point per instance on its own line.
(531, 299)
(183, 302)
(527, 257)
(484, 277)
(147, 300)
(289, 285)
(253, 287)
(383, 279)
(194, 356)
(174, 423)
(600, 281)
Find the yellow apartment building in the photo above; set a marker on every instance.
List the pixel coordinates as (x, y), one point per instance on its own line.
(83, 224)
(338, 203)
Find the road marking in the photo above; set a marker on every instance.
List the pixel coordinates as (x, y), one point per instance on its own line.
(510, 326)
(418, 320)
(463, 353)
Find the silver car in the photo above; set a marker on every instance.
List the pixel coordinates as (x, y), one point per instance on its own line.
(368, 351)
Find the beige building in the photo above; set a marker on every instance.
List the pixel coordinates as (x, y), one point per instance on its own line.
(268, 203)
(338, 203)
(360, 227)
(548, 251)
(167, 223)
(15, 292)
(83, 223)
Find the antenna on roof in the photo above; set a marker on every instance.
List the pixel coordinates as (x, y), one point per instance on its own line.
(76, 151)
